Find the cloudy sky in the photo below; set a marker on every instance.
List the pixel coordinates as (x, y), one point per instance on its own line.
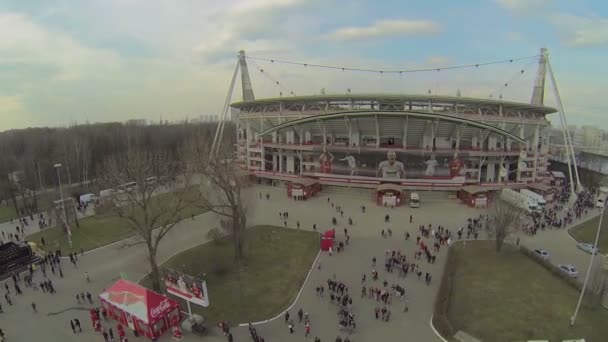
(64, 61)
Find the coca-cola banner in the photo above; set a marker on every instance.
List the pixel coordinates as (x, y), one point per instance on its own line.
(185, 286)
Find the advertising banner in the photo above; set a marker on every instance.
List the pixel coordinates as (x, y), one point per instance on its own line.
(186, 287)
(391, 165)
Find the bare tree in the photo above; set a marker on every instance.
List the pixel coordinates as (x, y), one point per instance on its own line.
(221, 190)
(153, 206)
(504, 221)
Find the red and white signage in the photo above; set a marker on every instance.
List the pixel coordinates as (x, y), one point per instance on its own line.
(187, 287)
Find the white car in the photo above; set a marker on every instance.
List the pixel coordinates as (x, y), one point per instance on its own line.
(543, 253)
(588, 248)
(569, 270)
(599, 203)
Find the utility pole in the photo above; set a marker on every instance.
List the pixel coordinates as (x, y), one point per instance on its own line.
(39, 176)
(594, 252)
(65, 216)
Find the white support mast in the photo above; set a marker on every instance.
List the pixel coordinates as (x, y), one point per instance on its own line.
(567, 139)
(247, 96)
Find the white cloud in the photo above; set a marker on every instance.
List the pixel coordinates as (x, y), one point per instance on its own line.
(250, 25)
(24, 42)
(437, 61)
(515, 36)
(521, 6)
(385, 28)
(581, 31)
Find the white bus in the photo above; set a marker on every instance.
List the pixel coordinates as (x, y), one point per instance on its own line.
(414, 200)
(127, 187)
(519, 200)
(540, 200)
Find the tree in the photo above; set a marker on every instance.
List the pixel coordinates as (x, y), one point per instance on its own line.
(504, 220)
(220, 190)
(154, 206)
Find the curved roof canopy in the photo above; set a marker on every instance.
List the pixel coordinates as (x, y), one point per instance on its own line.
(415, 114)
(388, 98)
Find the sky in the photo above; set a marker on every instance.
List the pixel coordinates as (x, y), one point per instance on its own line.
(64, 62)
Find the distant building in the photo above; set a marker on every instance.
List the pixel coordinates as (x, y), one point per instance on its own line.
(137, 122)
(592, 136)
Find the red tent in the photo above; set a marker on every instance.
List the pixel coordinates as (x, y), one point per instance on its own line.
(139, 308)
(327, 240)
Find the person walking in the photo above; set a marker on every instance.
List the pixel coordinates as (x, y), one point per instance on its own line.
(105, 336)
(90, 298)
(78, 298)
(77, 322)
(111, 334)
(290, 326)
(34, 307)
(306, 329)
(300, 315)
(286, 316)
(73, 326)
(86, 276)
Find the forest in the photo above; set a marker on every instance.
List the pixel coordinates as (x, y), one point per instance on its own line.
(28, 156)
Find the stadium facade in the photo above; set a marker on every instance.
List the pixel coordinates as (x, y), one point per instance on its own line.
(418, 142)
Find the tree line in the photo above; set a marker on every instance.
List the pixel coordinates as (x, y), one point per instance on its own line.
(28, 156)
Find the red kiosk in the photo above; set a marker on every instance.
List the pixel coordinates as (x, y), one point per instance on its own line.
(389, 195)
(303, 188)
(140, 309)
(327, 240)
(475, 196)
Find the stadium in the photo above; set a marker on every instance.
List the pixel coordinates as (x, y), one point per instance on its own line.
(394, 141)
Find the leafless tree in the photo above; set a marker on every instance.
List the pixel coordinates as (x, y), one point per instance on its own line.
(504, 221)
(221, 188)
(151, 208)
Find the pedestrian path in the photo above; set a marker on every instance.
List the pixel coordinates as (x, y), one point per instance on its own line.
(107, 264)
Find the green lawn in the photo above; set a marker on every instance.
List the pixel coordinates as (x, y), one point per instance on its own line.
(585, 232)
(94, 231)
(7, 210)
(509, 297)
(277, 264)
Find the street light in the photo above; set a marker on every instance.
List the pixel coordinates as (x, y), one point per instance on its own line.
(593, 253)
(65, 216)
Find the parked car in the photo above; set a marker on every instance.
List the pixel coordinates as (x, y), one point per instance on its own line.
(570, 270)
(588, 248)
(543, 253)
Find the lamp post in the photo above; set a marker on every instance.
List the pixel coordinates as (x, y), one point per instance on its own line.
(65, 216)
(593, 253)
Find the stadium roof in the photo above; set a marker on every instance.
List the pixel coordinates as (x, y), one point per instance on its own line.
(394, 98)
(397, 114)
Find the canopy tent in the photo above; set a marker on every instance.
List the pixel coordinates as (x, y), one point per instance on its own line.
(327, 240)
(303, 188)
(141, 309)
(389, 195)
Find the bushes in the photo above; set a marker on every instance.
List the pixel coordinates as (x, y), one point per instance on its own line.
(442, 302)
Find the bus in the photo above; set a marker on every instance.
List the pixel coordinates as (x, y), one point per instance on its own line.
(414, 200)
(130, 186)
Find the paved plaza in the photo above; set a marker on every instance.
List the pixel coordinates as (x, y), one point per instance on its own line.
(105, 265)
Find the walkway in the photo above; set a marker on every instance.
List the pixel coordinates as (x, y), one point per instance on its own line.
(106, 264)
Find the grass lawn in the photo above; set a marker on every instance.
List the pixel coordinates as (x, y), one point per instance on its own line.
(95, 231)
(277, 264)
(585, 232)
(7, 210)
(509, 297)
